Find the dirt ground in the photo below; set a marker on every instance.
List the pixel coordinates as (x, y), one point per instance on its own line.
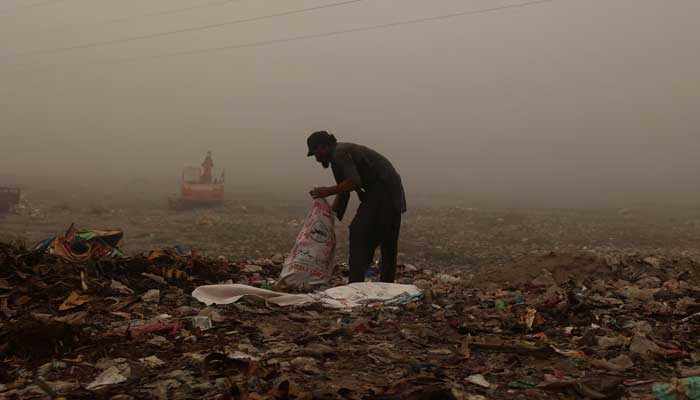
(596, 303)
(452, 235)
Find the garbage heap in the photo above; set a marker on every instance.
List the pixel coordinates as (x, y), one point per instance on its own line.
(544, 326)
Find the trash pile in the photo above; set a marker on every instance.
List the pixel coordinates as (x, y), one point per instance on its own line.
(79, 246)
(546, 326)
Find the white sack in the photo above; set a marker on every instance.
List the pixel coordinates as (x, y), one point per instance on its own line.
(312, 259)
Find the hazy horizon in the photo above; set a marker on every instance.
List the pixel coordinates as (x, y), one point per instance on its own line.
(564, 101)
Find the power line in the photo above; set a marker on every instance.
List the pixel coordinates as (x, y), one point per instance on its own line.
(317, 35)
(33, 5)
(337, 33)
(133, 17)
(184, 30)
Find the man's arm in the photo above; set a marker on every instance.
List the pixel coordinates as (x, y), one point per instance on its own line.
(343, 187)
(340, 205)
(345, 165)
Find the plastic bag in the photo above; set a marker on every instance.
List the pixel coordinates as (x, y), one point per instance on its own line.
(310, 265)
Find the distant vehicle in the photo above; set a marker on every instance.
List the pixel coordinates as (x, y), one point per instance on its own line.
(198, 188)
(9, 198)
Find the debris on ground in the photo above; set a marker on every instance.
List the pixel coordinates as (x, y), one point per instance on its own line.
(688, 388)
(81, 246)
(547, 326)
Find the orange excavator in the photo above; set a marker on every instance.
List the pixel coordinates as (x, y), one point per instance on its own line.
(198, 187)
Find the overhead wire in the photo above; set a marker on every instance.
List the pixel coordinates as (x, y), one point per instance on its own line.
(178, 31)
(28, 6)
(338, 32)
(315, 35)
(133, 17)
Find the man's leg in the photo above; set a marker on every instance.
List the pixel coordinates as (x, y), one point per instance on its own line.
(390, 246)
(363, 241)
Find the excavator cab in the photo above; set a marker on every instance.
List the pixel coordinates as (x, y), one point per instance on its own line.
(198, 187)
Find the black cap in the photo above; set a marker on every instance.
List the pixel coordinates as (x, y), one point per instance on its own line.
(317, 139)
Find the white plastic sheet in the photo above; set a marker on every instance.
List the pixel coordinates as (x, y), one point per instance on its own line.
(368, 293)
(231, 293)
(347, 296)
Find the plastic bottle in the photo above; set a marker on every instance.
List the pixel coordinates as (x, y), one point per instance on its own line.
(688, 388)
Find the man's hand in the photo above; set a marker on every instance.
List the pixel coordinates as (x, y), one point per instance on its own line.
(321, 192)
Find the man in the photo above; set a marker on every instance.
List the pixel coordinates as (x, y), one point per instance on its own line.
(379, 188)
(207, 167)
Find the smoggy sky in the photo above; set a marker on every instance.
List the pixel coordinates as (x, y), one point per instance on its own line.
(568, 99)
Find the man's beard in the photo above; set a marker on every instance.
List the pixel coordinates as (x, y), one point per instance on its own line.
(326, 164)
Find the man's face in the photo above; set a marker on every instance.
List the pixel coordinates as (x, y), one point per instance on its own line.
(323, 155)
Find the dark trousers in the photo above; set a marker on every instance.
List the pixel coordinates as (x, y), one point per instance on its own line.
(377, 223)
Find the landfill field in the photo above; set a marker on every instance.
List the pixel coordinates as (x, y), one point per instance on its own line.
(514, 303)
(440, 233)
